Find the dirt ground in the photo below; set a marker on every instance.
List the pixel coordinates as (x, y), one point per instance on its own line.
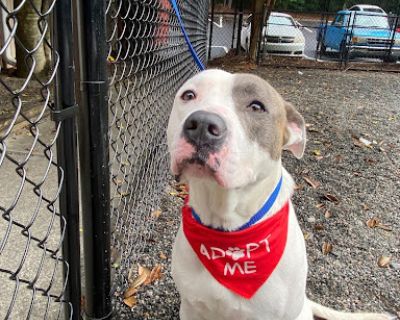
(350, 216)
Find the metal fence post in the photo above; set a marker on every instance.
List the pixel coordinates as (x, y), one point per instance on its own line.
(211, 29)
(239, 31)
(234, 24)
(393, 37)
(323, 22)
(67, 155)
(94, 157)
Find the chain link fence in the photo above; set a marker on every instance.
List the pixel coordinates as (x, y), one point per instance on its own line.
(148, 61)
(222, 33)
(129, 65)
(33, 270)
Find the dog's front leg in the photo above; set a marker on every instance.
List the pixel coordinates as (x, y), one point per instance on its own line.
(306, 312)
(186, 312)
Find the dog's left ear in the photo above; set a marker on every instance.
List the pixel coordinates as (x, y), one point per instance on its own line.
(295, 132)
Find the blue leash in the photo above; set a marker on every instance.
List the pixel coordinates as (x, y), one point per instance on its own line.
(191, 49)
(258, 215)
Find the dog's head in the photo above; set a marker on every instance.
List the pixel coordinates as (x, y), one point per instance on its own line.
(231, 128)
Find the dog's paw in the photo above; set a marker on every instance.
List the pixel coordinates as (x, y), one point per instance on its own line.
(235, 252)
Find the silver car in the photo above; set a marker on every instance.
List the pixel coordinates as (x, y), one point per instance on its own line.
(281, 35)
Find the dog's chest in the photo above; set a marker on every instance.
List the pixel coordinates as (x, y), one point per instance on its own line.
(281, 297)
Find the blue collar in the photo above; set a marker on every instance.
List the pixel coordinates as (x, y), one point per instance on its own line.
(257, 216)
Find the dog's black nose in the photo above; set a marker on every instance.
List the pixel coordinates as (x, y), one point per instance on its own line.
(205, 129)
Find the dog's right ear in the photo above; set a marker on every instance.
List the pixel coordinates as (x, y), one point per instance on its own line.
(295, 132)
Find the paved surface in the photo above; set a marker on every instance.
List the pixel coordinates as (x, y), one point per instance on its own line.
(29, 208)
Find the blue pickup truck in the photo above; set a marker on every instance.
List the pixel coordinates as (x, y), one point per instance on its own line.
(353, 33)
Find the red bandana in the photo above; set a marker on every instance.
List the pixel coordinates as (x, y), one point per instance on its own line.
(240, 260)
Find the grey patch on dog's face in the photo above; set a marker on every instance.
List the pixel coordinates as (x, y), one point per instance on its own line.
(266, 128)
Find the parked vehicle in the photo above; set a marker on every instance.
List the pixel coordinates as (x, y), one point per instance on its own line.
(367, 8)
(355, 33)
(281, 35)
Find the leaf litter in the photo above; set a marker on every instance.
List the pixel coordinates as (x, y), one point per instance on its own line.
(144, 277)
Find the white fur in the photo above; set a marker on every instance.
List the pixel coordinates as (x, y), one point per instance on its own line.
(249, 176)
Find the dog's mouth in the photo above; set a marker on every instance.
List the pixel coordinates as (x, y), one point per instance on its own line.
(200, 164)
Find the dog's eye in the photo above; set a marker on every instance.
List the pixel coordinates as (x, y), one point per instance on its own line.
(257, 106)
(188, 95)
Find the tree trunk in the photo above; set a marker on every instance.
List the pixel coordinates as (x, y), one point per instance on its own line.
(29, 34)
(270, 7)
(46, 46)
(256, 27)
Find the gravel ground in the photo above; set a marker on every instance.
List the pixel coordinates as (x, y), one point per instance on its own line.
(339, 108)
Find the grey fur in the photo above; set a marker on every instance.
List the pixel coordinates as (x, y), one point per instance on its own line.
(268, 128)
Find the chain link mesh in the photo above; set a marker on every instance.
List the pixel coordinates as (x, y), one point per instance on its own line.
(148, 61)
(31, 226)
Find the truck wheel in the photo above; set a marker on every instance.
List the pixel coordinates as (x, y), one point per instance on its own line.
(323, 49)
(344, 51)
(389, 58)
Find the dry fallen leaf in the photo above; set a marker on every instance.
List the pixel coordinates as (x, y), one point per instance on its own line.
(307, 235)
(156, 214)
(131, 301)
(357, 143)
(155, 274)
(328, 214)
(319, 226)
(143, 270)
(320, 205)
(145, 276)
(317, 152)
(384, 261)
(365, 207)
(144, 273)
(130, 292)
(298, 187)
(372, 222)
(312, 182)
(326, 248)
(331, 198)
(375, 223)
(384, 227)
(365, 142)
(162, 256)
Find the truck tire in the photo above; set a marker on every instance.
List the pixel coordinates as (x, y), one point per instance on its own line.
(323, 49)
(389, 58)
(344, 51)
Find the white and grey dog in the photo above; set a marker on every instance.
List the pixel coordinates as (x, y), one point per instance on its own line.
(226, 134)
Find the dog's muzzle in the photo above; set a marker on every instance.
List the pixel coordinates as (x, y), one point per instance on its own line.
(205, 130)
